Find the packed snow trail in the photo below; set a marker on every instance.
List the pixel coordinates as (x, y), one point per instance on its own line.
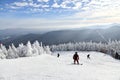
(49, 67)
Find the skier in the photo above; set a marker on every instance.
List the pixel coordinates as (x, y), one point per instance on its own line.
(58, 55)
(76, 58)
(88, 56)
(117, 56)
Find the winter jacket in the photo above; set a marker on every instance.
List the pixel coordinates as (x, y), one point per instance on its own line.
(76, 57)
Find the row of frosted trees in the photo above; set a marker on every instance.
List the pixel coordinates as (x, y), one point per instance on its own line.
(23, 50)
(37, 48)
(111, 47)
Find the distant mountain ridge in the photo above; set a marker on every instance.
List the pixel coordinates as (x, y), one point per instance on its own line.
(65, 36)
(15, 32)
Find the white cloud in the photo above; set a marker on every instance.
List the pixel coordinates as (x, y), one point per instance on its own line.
(17, 5)
(42, 0)
(98, 16)
(102, 4)
(85, 1)
(65, 4)
(55, 5)
(70, 4)
(77, 6)
(14, 7)
(34, 10)
(20, 4)
(100, 11)
(45, 6)
(34, 5)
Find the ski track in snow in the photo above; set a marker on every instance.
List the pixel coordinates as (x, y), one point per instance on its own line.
(47, 67)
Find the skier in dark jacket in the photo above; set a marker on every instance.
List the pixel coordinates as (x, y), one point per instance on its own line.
(58, 55)
(88, 56)
(76, 58)
(117, 56)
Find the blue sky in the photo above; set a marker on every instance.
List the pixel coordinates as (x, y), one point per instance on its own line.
(45, 14)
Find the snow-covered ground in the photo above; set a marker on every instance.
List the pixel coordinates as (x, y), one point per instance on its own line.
(47, 67)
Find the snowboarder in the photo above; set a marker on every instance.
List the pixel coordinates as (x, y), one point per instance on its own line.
(76, 58)
(88, 56)
(58, 55)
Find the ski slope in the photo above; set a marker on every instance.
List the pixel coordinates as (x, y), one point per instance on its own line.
(49, 67)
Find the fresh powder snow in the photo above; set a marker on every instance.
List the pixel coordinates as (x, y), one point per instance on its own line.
(50, 67)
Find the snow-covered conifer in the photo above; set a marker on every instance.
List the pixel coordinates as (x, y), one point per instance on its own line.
(4, 50)
(15, 51)
(36, 47)
(10, 53)
(47, 49)
(21, 50)
(29, 49)
(2, 55)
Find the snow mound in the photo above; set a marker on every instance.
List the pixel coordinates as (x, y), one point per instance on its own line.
(49, 67)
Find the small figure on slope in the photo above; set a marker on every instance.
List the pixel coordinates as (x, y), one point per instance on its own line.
(76, 58)
(88, 56)
(58, 55)
(117, 56)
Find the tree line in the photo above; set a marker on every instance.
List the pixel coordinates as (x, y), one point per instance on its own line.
(111, 47)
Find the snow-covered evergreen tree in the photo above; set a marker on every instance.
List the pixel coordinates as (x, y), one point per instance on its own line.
(47, 50)
(21, 50)
(29, 49)
(10, 53)
(2, 55)
(4, 50)
(36, 45)
(15, 51)
(41, 49)
(35, 51)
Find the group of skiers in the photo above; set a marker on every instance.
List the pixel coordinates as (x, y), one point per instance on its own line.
(75, 57)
